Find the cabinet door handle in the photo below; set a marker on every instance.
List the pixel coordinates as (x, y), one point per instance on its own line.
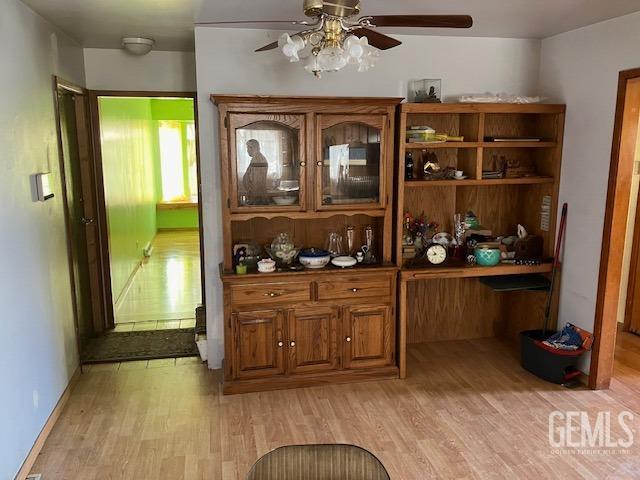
(348, 339)
(292, 344)
(271, 294)
(303, 164)
(354, 290)
(319, 163)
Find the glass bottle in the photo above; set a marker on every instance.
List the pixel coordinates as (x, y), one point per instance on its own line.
(408, 166)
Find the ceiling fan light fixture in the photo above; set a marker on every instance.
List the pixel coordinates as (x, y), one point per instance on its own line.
(137, 45)
(291, 47)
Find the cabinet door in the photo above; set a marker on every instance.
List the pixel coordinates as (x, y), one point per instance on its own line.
(258, 344)
(267, 162)
(312, 339)
(351, 159)
(368, 337)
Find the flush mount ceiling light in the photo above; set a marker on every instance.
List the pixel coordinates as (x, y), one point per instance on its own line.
(137, 45)
(335, 38)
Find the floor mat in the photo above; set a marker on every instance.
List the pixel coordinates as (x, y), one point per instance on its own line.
(143, 345)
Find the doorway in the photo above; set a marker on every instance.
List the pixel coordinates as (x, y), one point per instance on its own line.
(146, 151)
(80, 208)
(614, 292)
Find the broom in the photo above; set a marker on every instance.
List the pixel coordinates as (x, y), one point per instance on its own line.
(556, 264)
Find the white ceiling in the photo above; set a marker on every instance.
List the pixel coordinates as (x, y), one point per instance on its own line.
(101, 23)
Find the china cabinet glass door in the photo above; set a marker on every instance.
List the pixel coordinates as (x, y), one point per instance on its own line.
(267, 164)
(350, 165)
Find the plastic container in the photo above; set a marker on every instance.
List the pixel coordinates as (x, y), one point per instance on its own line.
(548, 363)
(421, 134)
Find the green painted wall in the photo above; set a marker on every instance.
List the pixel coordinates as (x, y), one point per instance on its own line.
(180, 218)
(172, 109)
(126, 128)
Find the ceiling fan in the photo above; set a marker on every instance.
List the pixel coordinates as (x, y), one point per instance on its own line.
(336, 37)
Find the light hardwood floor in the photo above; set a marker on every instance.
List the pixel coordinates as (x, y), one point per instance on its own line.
(166, 287)
(467, 410)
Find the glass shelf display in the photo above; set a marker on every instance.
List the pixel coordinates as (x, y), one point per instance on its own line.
(268, 165)
(350, 166)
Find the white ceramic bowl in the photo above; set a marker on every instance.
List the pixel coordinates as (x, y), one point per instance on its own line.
(344, 261)
(284, 200)
(314, 262)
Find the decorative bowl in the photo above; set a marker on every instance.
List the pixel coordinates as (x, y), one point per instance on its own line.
(266, 265)
(344, 261)
(314, 258)
(284, 200)
(487, 257)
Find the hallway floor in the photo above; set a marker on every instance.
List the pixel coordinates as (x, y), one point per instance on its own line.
(167, 288)
(467, 410)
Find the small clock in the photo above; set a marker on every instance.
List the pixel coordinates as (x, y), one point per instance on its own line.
(436, 254)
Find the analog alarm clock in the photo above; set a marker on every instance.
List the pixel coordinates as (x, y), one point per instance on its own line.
(436, 254)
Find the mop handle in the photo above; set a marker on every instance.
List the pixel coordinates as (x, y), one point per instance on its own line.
(556, 263)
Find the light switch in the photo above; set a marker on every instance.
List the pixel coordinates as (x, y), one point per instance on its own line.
(43, 186)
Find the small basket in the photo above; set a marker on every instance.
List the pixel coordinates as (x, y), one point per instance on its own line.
(550, 364)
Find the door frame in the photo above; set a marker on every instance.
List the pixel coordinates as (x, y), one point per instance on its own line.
(615, 225)
(100, 196)
(84, 124)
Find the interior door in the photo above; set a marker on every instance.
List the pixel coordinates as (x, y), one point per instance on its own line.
(368, 337)
(312, 340)
(350, 166)
(267, 170)
(80, 208)
(258, 339)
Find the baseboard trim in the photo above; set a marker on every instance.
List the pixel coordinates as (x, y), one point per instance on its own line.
(27, 465)
(179, 229)
(118, 303)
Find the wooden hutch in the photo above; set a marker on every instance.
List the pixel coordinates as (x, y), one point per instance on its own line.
(333, 158)
(448, 302)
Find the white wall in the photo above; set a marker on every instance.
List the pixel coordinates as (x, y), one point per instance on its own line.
(580, 68)
(37, 344)
(110, 69)
(226, 64)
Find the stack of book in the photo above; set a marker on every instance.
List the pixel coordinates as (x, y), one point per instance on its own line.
(492, 174)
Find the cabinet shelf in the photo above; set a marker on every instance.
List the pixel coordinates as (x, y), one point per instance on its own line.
(427, 273)
(428, 146)
(310, 215)
(478, 182)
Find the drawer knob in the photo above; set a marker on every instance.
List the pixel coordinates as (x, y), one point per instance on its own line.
(271, 294)
(319, 164)
(354, 290)
(348, 339)
(303, 164)
(292, 344)
(280, 344)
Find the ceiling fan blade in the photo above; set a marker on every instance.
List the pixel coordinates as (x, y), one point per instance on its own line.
(241, 22)
(378, 40)
(271, 46)
(438, 21)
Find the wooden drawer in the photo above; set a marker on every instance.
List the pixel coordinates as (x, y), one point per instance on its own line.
(270, 293)
(355, 287)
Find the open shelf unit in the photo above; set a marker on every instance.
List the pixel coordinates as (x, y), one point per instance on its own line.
(447, 303)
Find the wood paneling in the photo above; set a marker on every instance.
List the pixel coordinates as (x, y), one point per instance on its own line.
(451, 309)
